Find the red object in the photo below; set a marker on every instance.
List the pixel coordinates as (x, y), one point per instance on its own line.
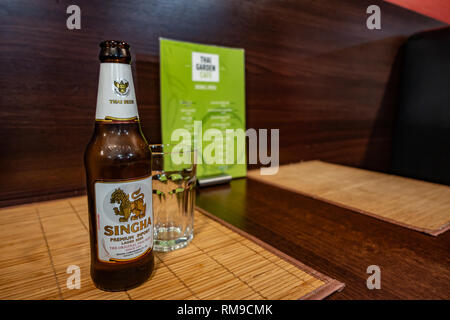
(436, 9)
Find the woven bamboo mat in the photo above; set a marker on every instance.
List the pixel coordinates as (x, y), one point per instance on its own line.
(414, 204)
(39, 241)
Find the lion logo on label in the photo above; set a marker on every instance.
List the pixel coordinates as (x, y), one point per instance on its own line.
(121, 88)
(134, 208)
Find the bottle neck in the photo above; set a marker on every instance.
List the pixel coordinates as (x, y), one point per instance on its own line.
(116, 99)
(118, 135)
(121, 128)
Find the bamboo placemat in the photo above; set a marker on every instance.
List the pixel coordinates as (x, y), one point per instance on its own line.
(415, 204)
(39, 241)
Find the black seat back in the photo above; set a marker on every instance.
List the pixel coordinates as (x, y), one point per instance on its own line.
(421, 142)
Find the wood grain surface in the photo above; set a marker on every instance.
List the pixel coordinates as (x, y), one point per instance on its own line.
(337, 241)
(313, 70)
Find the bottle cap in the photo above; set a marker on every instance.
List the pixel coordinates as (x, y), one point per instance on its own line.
(115, 51)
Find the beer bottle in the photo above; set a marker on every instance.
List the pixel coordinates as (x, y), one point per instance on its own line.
(118, 177)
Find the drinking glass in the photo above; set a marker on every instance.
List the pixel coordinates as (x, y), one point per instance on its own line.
(173, 180)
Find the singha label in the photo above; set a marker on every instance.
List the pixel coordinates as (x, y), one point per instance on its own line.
(116, 98)
(124, 219)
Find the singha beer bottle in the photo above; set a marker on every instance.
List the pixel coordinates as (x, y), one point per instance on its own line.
(118, 176)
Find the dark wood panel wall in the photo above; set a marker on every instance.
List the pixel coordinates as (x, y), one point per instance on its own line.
(313, 70)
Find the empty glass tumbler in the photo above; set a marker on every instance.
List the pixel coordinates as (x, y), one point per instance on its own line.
(174, 178)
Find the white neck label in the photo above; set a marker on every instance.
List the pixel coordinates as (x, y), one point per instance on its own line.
(116, 98)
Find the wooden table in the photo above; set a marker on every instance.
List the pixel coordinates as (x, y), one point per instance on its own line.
(337, 242)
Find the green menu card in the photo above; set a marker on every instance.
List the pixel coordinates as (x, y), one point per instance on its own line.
(203, 100)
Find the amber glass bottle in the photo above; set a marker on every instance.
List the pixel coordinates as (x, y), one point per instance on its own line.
(118, 176)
